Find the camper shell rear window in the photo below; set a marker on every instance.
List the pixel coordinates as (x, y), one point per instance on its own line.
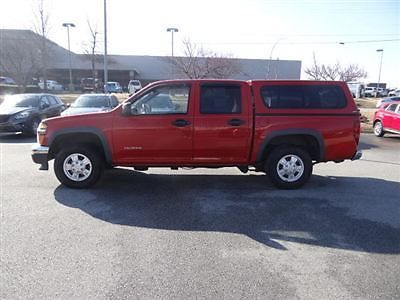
(303, 96)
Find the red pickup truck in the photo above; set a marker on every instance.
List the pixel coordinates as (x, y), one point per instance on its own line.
(278, 127)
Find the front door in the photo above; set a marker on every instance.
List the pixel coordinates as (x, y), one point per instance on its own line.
(158, 130)
(396, 119)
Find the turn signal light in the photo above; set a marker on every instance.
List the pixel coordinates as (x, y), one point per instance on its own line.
(42, 128)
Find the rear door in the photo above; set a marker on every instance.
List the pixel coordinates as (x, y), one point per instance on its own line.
(222, 129)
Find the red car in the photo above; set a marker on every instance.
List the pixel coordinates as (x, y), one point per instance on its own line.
(387, 119)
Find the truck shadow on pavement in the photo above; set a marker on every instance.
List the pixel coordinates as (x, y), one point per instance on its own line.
(340, 212)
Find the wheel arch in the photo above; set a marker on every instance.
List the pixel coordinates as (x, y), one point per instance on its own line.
(309, 139)
(377, 120)
(80, 135)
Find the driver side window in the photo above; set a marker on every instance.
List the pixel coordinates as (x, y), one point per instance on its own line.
(169, 99)
(44, 103)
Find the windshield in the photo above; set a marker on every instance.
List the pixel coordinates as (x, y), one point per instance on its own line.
(21, 101)
(91, 101)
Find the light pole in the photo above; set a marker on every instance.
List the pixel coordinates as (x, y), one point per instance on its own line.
(105, 47)
(172, 30)
(270, 55)
(68, 25)
(380, 68)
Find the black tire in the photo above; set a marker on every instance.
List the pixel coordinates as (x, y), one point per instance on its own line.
(378, 129)
(94, 167)
(31, 129)
(295, 173)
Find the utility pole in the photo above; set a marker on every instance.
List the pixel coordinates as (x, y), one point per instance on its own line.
(105, 47)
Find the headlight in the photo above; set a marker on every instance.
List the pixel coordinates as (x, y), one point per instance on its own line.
(42, 128)
(21, 115)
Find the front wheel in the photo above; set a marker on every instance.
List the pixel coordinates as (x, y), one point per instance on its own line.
(288, 167)
(78, 167)
(32, 127)
(378, 129)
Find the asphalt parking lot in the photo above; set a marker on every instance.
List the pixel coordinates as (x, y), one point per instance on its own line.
(202, 233)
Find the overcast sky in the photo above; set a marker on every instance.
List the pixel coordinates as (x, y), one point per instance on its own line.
(290, 29)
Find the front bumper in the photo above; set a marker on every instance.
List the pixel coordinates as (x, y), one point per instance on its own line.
(12, 127)
(40, 155)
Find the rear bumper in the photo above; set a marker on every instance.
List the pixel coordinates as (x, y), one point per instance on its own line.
(40, 155)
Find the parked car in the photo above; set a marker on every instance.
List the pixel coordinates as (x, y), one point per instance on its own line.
(112, 87)
(134, 86)
(278, 127)
(91, 85)
(370, 92)
(7, 80)
(382, 92)
(24, 112)
(386, 101)
(88, 103)
(387, 119)
(52, 85)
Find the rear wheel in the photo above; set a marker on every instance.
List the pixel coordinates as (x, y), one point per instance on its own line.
(378, 129)
(78, 167)
(288, 167)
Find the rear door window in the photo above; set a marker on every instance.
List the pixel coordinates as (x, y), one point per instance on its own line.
(303, 96)
(220, 99)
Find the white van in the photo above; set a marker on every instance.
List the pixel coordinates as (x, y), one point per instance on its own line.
(134, 86)
(357, 89)
(52, 85)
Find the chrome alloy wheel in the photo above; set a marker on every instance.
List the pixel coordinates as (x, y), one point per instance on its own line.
(77, 167)
(378, 128)
(290, 168)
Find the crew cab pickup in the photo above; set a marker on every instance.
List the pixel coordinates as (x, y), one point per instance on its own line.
(281, 128)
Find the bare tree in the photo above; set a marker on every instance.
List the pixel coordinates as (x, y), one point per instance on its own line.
(352, 73)
(41, 27)
(198, 62)
(91, 48)
(20, 62)
(334, 72)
